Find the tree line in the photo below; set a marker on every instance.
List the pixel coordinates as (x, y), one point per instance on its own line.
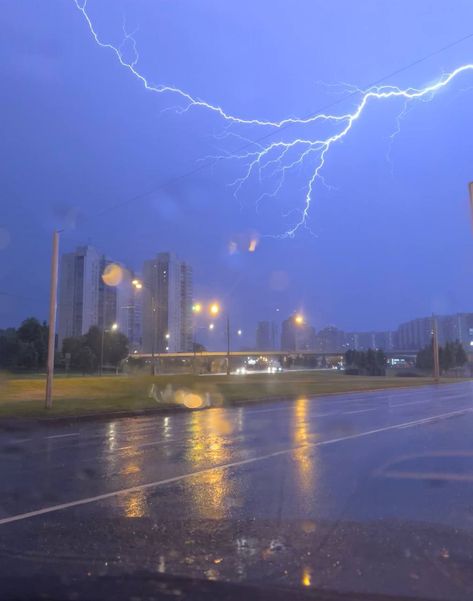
(26, 348)
(451, 355)
(365, 363)
(84, 353)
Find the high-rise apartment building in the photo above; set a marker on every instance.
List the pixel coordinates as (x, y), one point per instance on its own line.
(456, 327)
(94, 291)
(129, 310)
(167, 304)
(297, 336)
(78, 297)
(414, 334)
(266, 336)
(364, 340)
(330, 340)
(108, 297)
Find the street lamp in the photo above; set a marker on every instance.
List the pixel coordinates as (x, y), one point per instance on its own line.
(214, 309)
(138, 285)
(113, 328)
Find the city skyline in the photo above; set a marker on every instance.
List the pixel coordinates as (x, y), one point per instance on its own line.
(156, 312)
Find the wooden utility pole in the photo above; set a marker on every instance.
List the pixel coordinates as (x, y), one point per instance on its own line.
(52, 321)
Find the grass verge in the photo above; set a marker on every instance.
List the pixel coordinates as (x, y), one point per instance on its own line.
(75, 396)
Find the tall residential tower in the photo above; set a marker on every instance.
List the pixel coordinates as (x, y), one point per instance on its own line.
(167, 305)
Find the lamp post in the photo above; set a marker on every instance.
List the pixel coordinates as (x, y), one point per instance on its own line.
(196, 310)
(113, 328)
(139, 285)
(214, 310)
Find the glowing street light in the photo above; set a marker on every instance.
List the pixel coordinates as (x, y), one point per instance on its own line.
(197, 308)
(211, 326)
(299, 319)
(239, 332)
(214, 309)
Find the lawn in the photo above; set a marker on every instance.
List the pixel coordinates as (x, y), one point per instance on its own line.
(23, 397)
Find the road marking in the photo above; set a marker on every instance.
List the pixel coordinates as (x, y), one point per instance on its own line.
(409, 403)
(444, 476)
(361, 411)
(148, 485)
(62, 435)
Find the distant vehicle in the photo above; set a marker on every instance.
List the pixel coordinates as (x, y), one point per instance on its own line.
(261, 365)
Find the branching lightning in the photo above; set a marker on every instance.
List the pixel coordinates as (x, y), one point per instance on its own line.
(274, 160)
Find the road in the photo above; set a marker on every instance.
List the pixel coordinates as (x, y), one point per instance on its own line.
(356, 492)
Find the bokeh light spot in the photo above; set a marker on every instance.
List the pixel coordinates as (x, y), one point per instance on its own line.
(113, 275)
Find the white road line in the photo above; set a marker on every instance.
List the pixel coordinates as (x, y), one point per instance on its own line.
(62, 435)
(361, 411)
(411, 403)
(140, 487)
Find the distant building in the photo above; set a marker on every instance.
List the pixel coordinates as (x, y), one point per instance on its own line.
(330, 340)
(414, 334)
(78, 296)
(167, 304)
(107, 299)
(266, 336)
(129, 311)
(365, 340)
(297, 336)
(456, 327)
(95, 291)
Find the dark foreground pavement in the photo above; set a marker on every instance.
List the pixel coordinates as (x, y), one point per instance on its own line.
(366, 492)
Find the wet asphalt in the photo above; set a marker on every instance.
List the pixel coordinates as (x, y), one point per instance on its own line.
(365, 492)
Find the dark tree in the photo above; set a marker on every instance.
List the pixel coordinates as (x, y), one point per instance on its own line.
(32, 332)
(93, 339)
(28, 356)
(425, 357)
(9, 348)
(115, 348)
(86, 360)
(370, 362)
(451, 355)
(460, 355)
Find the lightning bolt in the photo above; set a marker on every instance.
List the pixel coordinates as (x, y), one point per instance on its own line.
(282, 156)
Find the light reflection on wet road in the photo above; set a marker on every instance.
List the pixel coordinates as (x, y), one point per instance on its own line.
(334, 491)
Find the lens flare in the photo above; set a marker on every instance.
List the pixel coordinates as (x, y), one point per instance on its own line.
(113, 275)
